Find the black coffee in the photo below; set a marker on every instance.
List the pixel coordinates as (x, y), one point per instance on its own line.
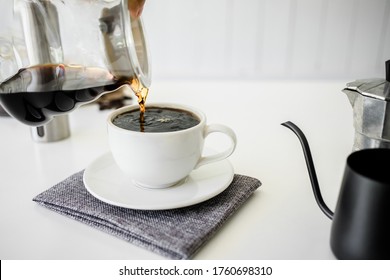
(37, 93)
(36, 108)
(156, 120)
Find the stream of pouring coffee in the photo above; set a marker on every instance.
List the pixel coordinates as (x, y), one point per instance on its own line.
(141, 92)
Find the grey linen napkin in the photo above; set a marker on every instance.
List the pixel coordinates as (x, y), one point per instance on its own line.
(175, 233)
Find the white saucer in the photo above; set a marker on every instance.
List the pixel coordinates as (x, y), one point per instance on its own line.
(104, 180)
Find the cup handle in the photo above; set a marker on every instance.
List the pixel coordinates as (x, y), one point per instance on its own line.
(213, 128)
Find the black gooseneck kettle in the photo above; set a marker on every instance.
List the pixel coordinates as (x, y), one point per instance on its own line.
(361, 221)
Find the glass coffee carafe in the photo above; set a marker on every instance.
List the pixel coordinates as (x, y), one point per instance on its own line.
(57, 55)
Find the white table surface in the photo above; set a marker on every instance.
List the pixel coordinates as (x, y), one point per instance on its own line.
(280, 221)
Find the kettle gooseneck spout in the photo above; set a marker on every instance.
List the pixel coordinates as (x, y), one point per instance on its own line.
(310, 167)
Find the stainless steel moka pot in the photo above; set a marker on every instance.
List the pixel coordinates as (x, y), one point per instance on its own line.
(370, 99)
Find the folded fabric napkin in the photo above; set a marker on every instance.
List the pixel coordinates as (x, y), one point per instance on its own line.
(176, 233)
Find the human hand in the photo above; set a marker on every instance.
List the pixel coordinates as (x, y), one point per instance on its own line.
(136, 7)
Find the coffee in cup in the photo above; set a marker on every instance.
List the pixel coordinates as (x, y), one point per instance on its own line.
(156, 119)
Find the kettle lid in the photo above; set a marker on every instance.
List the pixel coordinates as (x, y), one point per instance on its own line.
(375, 88)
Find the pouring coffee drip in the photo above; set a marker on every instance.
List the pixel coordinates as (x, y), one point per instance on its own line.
(141, 92)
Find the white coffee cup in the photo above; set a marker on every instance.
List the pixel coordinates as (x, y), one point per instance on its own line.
(163, 159)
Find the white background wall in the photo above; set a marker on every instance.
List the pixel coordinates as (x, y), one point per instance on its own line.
(268, 39)
(265, 39)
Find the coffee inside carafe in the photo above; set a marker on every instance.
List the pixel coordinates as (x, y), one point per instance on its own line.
(34, 95)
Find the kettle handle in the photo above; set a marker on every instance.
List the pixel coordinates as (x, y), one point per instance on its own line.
(310, 167)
